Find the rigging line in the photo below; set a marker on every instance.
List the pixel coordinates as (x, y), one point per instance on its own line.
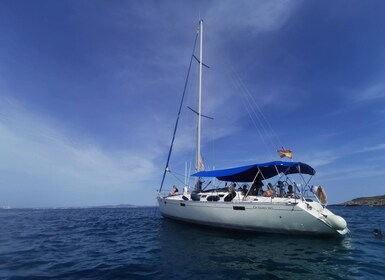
(249, 111)
(174, 173)
(177, 119)
(178, 178)
(261, 113)
(263, 121)
(248, 104)
(259, 120)
(255, 118)
(250, 101)
(252, 114)
(270, 127)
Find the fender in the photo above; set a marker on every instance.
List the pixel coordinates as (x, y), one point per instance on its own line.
(321, 194)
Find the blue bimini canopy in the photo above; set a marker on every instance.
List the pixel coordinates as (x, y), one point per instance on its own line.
(266, 170)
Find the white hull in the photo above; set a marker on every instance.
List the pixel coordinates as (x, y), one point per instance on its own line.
(278, 215)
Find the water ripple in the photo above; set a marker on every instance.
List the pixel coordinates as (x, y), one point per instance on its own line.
(139, 244)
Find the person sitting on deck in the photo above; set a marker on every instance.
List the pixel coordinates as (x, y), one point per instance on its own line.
(290, 192)
(244, 189)
(281, 189)
(255, 188)
(198, 186)
(270, 192)
(231, 194)
(174, 191)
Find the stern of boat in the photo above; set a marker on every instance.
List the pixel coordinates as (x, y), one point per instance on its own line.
(336, 223)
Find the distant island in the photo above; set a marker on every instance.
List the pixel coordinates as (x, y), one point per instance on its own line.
(76, 207)
(365, 201)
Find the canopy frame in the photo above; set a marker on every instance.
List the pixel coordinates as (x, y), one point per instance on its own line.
(262, 171)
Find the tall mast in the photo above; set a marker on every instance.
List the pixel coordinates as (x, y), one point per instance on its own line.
(198, 160)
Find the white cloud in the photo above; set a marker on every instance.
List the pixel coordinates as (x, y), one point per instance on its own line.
(321, 158)
(378, 147)
(255, 16)
(371, 93)
(37, 157)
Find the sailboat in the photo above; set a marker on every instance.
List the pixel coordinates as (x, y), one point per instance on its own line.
(259, 197)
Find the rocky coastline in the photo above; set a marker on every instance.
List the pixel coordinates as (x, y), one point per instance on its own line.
(365, 201)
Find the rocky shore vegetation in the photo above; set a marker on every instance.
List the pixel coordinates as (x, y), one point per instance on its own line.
(365, 201)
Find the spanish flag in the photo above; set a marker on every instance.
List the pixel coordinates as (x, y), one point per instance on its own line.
(285, 153)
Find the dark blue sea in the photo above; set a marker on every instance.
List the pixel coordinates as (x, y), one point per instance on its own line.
(137, 243)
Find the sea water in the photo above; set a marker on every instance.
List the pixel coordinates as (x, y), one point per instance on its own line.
(137, 243)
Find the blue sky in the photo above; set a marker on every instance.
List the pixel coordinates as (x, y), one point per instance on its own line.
(89, 92)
